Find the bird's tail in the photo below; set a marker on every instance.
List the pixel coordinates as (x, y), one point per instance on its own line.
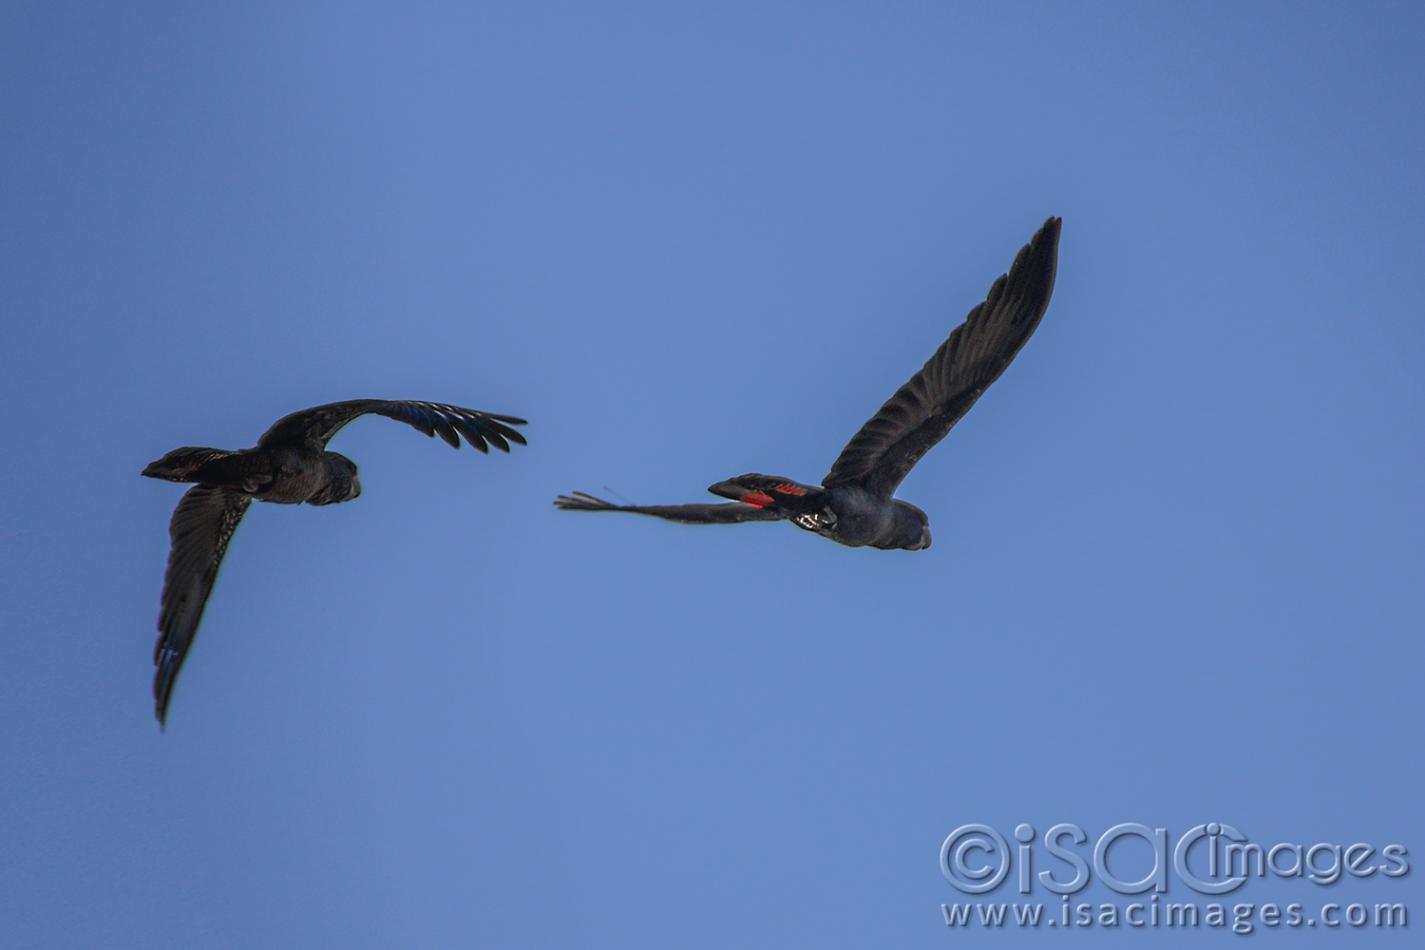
(188, 464)
(771, 491)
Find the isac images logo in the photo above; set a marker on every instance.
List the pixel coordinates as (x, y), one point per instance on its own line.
(1141, 863)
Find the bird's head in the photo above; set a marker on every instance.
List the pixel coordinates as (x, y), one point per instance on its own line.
(912, 527)
(342, 483)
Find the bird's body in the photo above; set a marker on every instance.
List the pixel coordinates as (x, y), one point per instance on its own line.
(283, 475)
(855, 505)
(847, 514)
(290, 465)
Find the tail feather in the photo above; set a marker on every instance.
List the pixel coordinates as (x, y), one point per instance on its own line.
(187, 464)
(766, 491)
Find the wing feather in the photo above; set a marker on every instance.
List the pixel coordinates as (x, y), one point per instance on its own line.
(316, 426)
(202, 525)
(729, 513)
(922, 411)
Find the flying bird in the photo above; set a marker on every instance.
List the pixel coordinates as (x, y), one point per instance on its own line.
(855, 504)
(289, 465)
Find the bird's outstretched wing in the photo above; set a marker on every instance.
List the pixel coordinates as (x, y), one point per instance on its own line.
(729, 513)
(202, 525)
(314, 427)
(923, 410)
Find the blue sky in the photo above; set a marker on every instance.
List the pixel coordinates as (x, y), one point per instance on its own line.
(1177, 546)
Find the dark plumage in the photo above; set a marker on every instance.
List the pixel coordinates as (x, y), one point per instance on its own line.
(854, 505)
(289, 465)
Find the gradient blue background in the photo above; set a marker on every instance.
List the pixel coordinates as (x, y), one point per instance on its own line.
(1178, 547)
